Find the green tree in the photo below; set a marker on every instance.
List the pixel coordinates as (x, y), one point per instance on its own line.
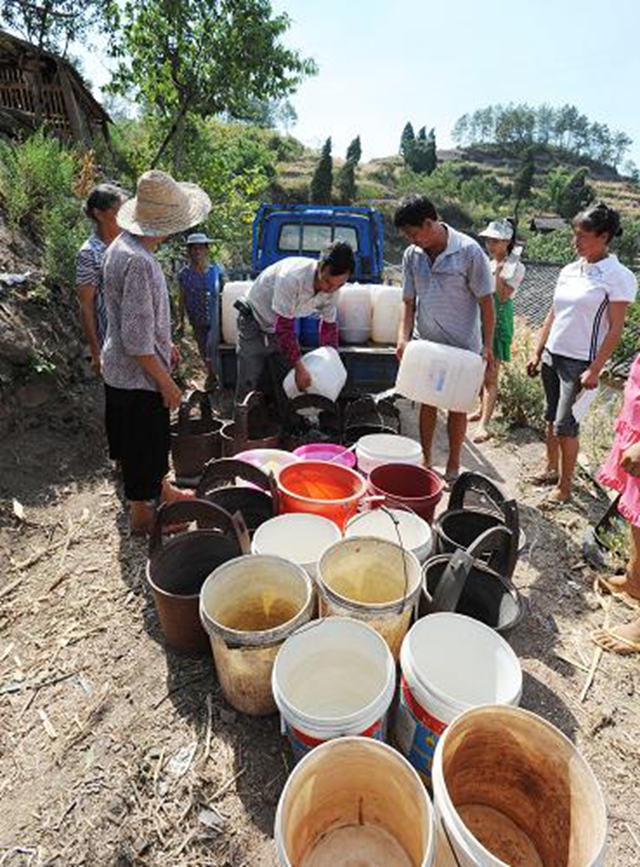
(422, 156)
(576, 195)
(354, 151)
(523, 181)
(407, 141)
(322, 181)
(347, 187)
(53, 24)
(205, 57)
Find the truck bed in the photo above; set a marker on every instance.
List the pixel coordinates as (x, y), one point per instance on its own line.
(370, 367)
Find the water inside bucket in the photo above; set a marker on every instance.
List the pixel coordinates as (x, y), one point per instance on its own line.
(357, 846)
(257, 612)
(367, 583)
(332, 684)
(500, 835)
(318, 485)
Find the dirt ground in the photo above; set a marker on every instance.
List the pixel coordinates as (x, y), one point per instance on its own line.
(114, 751)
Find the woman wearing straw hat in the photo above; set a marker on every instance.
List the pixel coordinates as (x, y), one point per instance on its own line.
(508, 273)
(138, 354)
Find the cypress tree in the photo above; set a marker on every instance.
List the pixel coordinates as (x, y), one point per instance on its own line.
(322, 180)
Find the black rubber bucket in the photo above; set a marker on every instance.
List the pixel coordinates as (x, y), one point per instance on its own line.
(462, 583)
(194, 439)
(461, 525)
(178, 566)
(256, 504)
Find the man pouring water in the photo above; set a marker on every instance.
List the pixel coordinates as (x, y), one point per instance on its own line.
(294, 287)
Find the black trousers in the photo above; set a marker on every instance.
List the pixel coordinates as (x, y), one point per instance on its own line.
(138, 433)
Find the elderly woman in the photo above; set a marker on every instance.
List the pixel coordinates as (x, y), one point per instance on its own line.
(508, 273)
(101, 208)
(138, 354)
(579, 334)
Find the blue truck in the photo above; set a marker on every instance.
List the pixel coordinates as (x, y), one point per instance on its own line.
(280, 231)
(304, 230)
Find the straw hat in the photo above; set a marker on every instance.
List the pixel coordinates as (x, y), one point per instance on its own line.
(163, 206)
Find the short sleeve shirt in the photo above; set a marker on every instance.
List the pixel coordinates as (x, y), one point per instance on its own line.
(138, 312)
(200, 291)
(89, 273)
(581, 305)
(286, 289)
(513, 272)
(447, 291)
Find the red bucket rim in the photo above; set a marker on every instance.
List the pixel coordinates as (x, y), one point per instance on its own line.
(339, 468)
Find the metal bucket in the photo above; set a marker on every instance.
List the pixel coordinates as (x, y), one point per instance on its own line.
(177, 568)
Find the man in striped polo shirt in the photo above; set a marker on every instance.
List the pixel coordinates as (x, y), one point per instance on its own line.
(447, 295)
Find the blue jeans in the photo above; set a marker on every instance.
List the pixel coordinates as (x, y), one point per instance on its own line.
(562, 386)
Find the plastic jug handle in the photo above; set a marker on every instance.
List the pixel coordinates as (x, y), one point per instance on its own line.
(452, 583)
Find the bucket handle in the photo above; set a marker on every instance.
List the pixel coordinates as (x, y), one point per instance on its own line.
(220, 470)
(471, 481)
(195, 398)
(206, 514)
(454, 578)
(253, 400)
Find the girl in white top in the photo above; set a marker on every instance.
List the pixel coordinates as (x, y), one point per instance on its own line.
(579, 335)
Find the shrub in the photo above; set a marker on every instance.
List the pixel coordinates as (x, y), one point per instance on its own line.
(521, 398)
(556, 247)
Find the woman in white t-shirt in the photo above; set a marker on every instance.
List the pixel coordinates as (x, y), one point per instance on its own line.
(579, 334)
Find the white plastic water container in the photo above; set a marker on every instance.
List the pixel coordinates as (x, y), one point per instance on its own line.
(439, 375)
(328, 374)
(374, 450)
(355, 313)
(394, 525)
(230, 293)
(298, 537)
(332, 679)
(387, 309)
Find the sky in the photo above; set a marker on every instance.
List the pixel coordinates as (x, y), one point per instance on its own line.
(384, 62)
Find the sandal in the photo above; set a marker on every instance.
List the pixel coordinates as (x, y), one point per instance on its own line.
(627, 645)
(544, 478)
(617, 593)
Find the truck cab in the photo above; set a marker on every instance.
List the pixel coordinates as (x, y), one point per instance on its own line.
(280, 231)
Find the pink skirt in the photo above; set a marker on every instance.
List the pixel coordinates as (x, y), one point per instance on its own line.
(613, 476)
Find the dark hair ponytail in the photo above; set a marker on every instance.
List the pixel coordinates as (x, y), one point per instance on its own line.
(601, 219)
(512, 243)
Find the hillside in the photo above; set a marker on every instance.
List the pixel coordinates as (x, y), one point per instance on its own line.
(470, 186)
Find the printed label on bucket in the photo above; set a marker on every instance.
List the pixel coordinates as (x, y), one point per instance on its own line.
(416, 732)
(302, 743)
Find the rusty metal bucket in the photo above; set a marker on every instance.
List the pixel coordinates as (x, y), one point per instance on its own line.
(177, 568)
(195, 439)
(251, 428)
(256, 502)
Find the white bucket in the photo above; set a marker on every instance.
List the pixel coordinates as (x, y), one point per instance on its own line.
(371, 580)
(394, 525)
(510, 788)
(301, 538)
(333, 677)
(374, 450)
(354, 801)
(450, 663)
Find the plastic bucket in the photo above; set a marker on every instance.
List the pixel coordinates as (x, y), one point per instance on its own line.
(374, 450)
(404, 485)
(332, 678)
(510, 788)
(354, 801)
(449, 663)
(327, 452)
(395, 525)
(267, 460)
(486, 596)
(319, 488)
(249, 607)
(371, 580)
(296, 537)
